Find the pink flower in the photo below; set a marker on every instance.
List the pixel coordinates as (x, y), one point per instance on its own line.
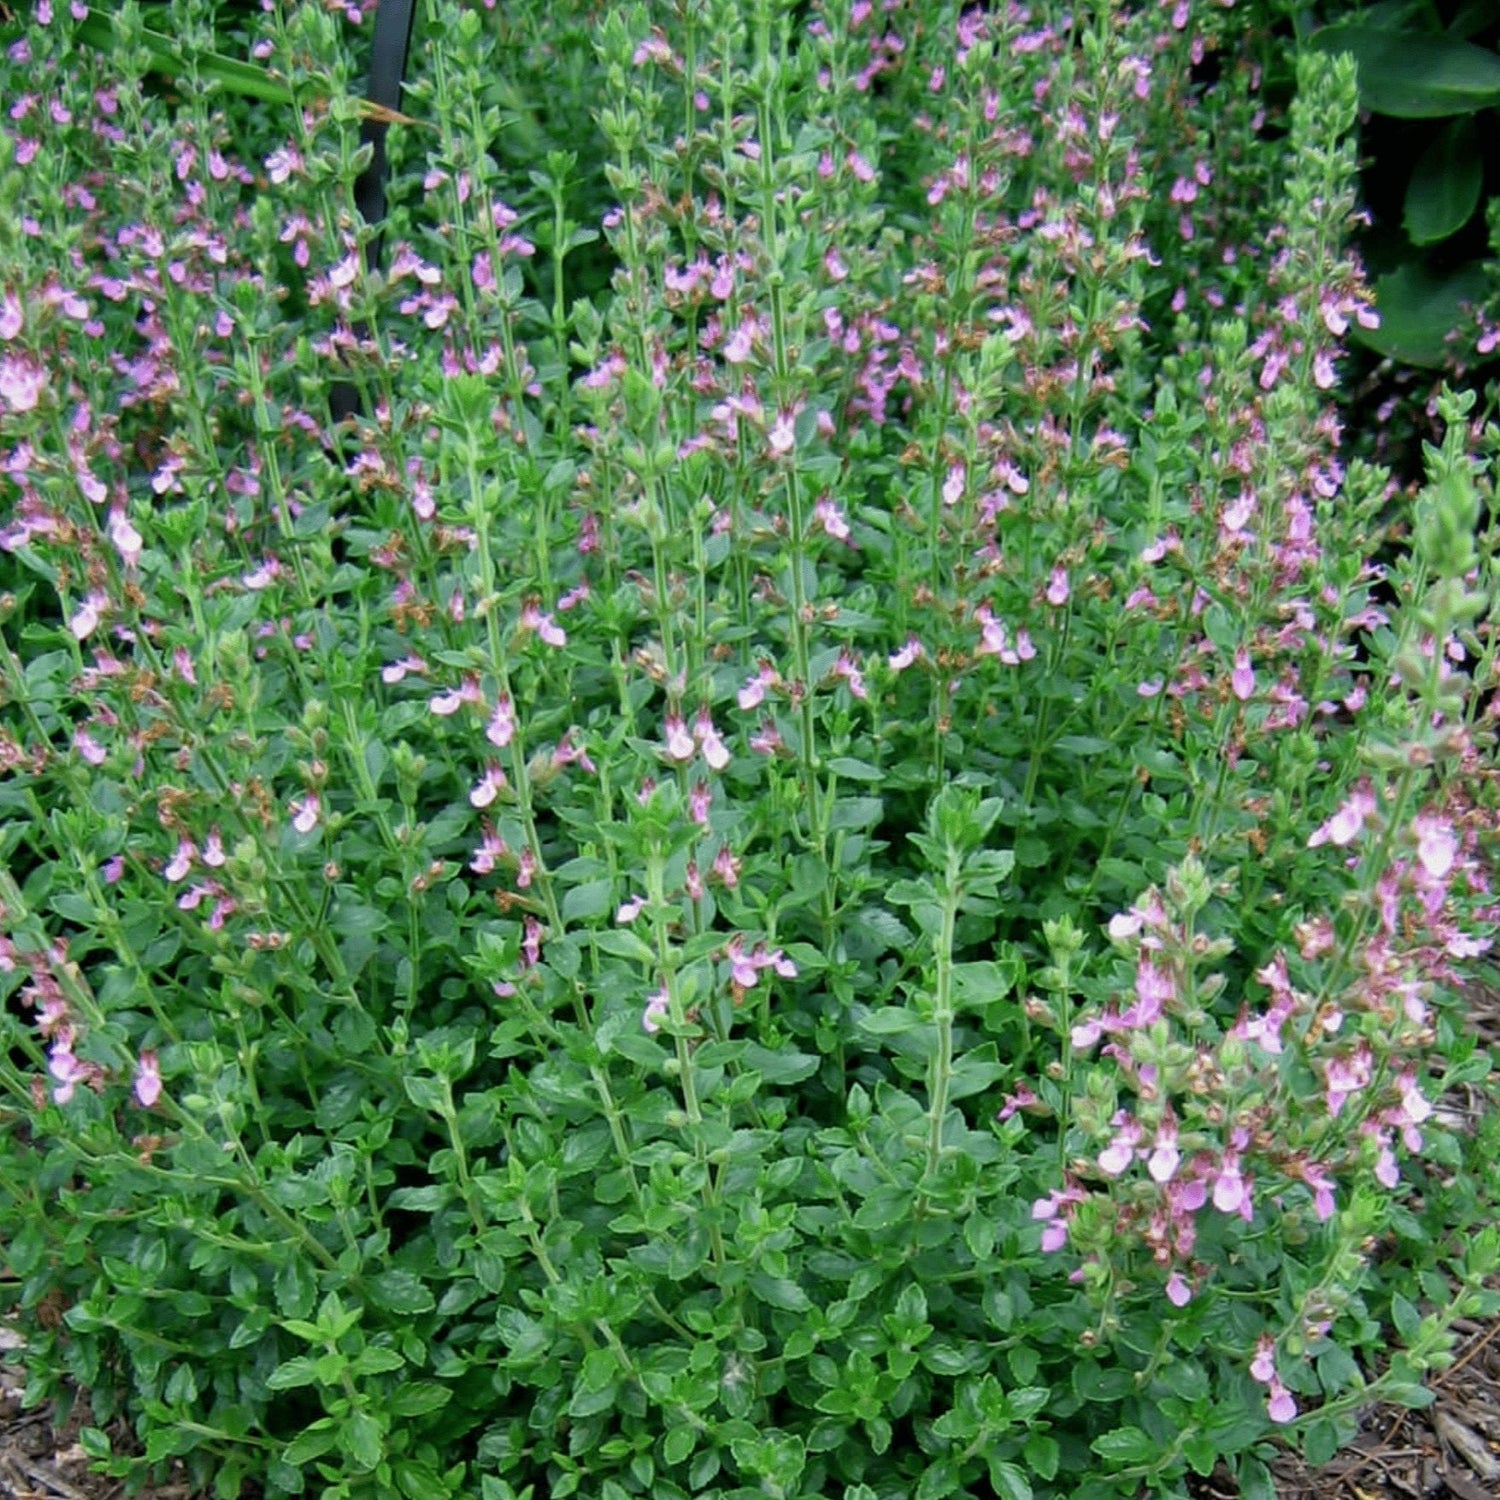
(754, 691)
(1118, 1155)
(85, 619)
(782, 436)
(501, 728)
(147, 1079)
(847, 668)
(551, 633)
(630, 910)
(1179, 1293)
(305, 812)
(1263, 1366)
(953, 485)
(679, 741)
(21, 383)
(181, 862)
(1242, 681)
(1348, 822)
(1231, 1194)
(827, 514)
(1058, 588)
(1436, 845)
(726, 867)
(899, 661)
(1280, 1406)
(715, 752)
(1165, 1157)
(658, 1008)
(66, 1069)
(1345, 1075)
(489, 786)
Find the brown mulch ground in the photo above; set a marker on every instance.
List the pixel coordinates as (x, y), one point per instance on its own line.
(1448, 1451)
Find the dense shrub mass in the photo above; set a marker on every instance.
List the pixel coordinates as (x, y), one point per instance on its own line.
(829, 852)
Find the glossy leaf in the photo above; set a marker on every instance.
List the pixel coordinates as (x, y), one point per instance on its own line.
(1418, 309)
(1445, 185)
(245, 79)
(1415, 75)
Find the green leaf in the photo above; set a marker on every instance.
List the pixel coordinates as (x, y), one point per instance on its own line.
(1445, 185)
(1255, 1479)
(855, 770)
(310, 1443)
(1415, 75)
(678, 1445)
(362, 1439)
(1126, 1445)
(889, 1021)
(1008, 1481)
(940, 1479)
(975, 1071)
(855, 812)
(296, 1288)
(779, 1291)
(418, 1399)
(621, 943)
(400, 1292)
(291, 1374)
(979, 983)
(592, 899)
(1042, 1454)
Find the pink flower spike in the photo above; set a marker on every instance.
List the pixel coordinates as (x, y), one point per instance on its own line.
(1179, 1293)
(147, 1080)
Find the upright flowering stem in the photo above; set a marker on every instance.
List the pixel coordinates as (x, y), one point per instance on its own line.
(799, 619)
(940, 1065)
(520, 776)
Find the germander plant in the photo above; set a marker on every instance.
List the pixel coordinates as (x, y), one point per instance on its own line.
(835, 873)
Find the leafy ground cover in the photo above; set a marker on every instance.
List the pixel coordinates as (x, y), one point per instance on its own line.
(834, 848)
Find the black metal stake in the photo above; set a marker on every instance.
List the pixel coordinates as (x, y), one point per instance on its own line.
(393, 24)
